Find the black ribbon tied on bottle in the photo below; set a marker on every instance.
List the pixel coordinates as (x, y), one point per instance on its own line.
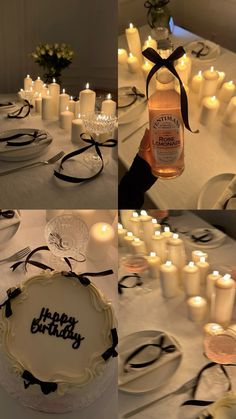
(18, 114)
(92, 143)
(111, 352)
(11, 293)
(159, 62)
(154, 5)
(45, 386)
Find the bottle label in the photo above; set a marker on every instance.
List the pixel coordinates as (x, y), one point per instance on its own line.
(166, 138)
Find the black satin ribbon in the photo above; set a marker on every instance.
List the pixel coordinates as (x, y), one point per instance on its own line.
(200, 52)
(154, 5)
(135, 93)
(159, 62)
(7, 213)
(83, 278)
(6, 104)
(111, 352)
(18, 113)
(121, 284)
(206, 237)
(194, 402)
(36, 135)
(167, 349)
(46, 387)
(92, 143)
(11, 293)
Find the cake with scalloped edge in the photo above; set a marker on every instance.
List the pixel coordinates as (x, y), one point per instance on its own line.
(58, 339)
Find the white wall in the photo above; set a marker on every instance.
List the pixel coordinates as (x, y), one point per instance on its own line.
(88, 25)
(212, 19)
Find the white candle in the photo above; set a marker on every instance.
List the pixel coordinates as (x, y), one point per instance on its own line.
(147, 227)
(224, 299)
(227, 91)
(167, 234)
(121, 234)
(66, 119)
(176, 251)
(187, 60)
(150, 43)
(133, 63)
(197, 254)
(169, 280)
(135, 224)
(230, 113)
(128, 239)
(125, 216)
(210, 107)
(191, 279)
(54, 90)
(158, 244)
(182, 70)
(72, 105)
(156, 226)
(77, 108)
(146, 67)
(212, 329)
(210, 283)
(27, 82)
(87, 98)
(101, 237)
(122, 56)
(177, 88)
(38, 85)
(38, 104)
(138, 246)
(44, 90)
(63, 101)
(109, 106)
(134, 43)
(220, 79)
(197, 308)
(197, 82)
(154, 263)
(76, 130)
(209, 83)
(88, 216)
(203, 267)
(47, 107)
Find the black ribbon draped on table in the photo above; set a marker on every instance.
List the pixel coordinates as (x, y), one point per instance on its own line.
(30, 379)
(92, 143)
(36, 135)
(11, 294)
(138, 282)
(22, 112)
(159, 62)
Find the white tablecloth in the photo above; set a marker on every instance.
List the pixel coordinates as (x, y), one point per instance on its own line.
(209, 153)
(150, 311)
(38, 188)
(31, 233)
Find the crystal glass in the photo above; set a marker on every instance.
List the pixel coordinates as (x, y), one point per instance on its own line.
(221, 348)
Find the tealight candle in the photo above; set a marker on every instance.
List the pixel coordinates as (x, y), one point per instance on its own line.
(66, 119)
(54, 90)
(76, 130)
(210, 283)
(87, 99)
(135, 224)
(169, 280)
(230, 113)
(146, 67)
(138, 246)
(176, 251)
(227, 91)
(209, 83)
(109, 106)
(72, 105)
(197, 82)
(158, 244)
(220, 79)
(182, 70)
(128, 239)
(121, 234)
(191, 279)
(224, 299)
(27, 82)
(122, 56)
(63, 101)
(212, 329)
(203, 267)
(47, 107)
(134, 43)
(38, 85)
(133, 63)
(101, 237)
(154, 263)
(210, 107)
(197, 308)
(197, 254)
(38, 104)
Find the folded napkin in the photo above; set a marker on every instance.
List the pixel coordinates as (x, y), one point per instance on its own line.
(228, 193)
(8, 222)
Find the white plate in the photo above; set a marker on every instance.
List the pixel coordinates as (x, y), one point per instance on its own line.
(213, 189)
(8, 228)
(218, 239)
(132, 113)
(224, 408)
(7, 108)
(156, 375)
(214, 51)
(25, 152)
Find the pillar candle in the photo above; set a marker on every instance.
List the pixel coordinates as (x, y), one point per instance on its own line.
(197, 82)
(209, 83)
(197, 308)
(125, 216)
(44, 90)
(87, 98)
(191, 279)
(167, 234)
(150, 42)
(47, 107)
(210, 107)
(38, 85)
(77, 128)
(135, 224)
(210, 283)
(169, 280)
(146, 67)
(177, 88)
(128, 240)
(154, 263)
(133, 63)
(77, 108)
(158, 244)
(38, 104)
(101, 237)
(176, 251)
(138, 246)
(71, 105)
(182, 70)
(134, 43)
(197, 254)
(27, 82)
(66, 119)
(122, 56)
(227, 91)
(109, 106)
(220, 79)
(230, 113)
(54, 90)
(147, 227)
(224, 299)
(203, 267)
(121, 234)
(187, 60)
(156, 226)
(63, 101)
(212, 329)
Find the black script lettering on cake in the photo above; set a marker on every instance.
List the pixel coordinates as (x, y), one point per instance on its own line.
(59, 325)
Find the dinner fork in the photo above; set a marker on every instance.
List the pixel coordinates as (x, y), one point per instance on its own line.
(38, 163)
(17, 256)
(185, 387)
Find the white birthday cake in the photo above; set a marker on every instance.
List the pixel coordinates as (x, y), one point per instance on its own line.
(58, 339)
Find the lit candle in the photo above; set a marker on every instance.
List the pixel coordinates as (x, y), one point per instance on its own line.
(177, 88)
(187, 60)
(182, 70)
(76, 130)
(230, 113)
(47, 107)
(125, 216)
(122, 56)
(109, 106)
(38, 104)
(212, 329)
(63, 101)
(197, 82)
(224, 299)
(121, 234)
(27, 82)
(197, 254)
(44, 90)
(210, 283)
(54, 90)
(101, 237)
(138, 246)
(150, 43)
(203, 267)
(176, 251)
(169, 280)
(154, 263)
(66, 118)
(146, 67)
(77, 108)
(128, 239)
(191, 279)
(38, 85)
(134, 43)
(135, 224)
(197, 308)
(227, 91)
(147, 227)
(167, 234)
(156, 226)
(158, 244)
(71, 105)
(220, 79)
(209, 83)
(133, 63)
(210, 107)
(87, 99)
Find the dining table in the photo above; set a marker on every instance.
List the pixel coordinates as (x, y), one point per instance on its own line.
(209, 155)
(38, 188)
(31, 232)
(144, 308)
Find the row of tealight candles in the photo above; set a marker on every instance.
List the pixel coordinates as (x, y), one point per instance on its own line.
(166, 257)
(52, 104)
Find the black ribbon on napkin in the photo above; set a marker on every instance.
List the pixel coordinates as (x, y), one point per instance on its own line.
(121, 285)
(203, 51)
(111, 352)
(83, 278)
(92, 143)
(22, 112)
(46, 387)
(159, 62)
(36, 135)
(11, 293)
(154, 5)
(134, 94)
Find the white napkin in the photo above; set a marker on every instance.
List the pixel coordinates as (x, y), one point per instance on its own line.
(228, 192)
(8, 222)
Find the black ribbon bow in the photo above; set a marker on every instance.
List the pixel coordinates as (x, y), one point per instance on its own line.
(134, 94)
(111, 352)
(83, 278)
(121, 285)
(159, 62)
(154, 5)
(45, 386)
(18, 113)
(11, 293)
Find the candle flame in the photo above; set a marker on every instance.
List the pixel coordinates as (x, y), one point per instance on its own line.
(109, 96)
(54, 80)
(135, 214)
(182, 63)
(31, 89)
(136, 239)
(130, 55)
(153, 254)
(87, 85)
(44, 85)
(104, 228)
(40, 94)
(120, 226)
(226, 277)
(230, 82)
(79, 115)
(21, 90)
(129, 234)
(191, 264)
(149, 38)
(215, 273)
(154, 221)
(38, 78)
(146, 64)
(200, 72)
(28, 76)
(63, 90)
(202, 259)
(67, 108)
(131, 25)
(213, 98)
(175, 236)
(119, 51)
(212, 68)
(157, 233)
(167, 229)
(71, 98)
(48, 92)
(197, 299)
(168, 263)
(143, 212)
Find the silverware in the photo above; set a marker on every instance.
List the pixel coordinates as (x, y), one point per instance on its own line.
(134, 132)
(39, 163)
(185, 387)
(17, 256)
